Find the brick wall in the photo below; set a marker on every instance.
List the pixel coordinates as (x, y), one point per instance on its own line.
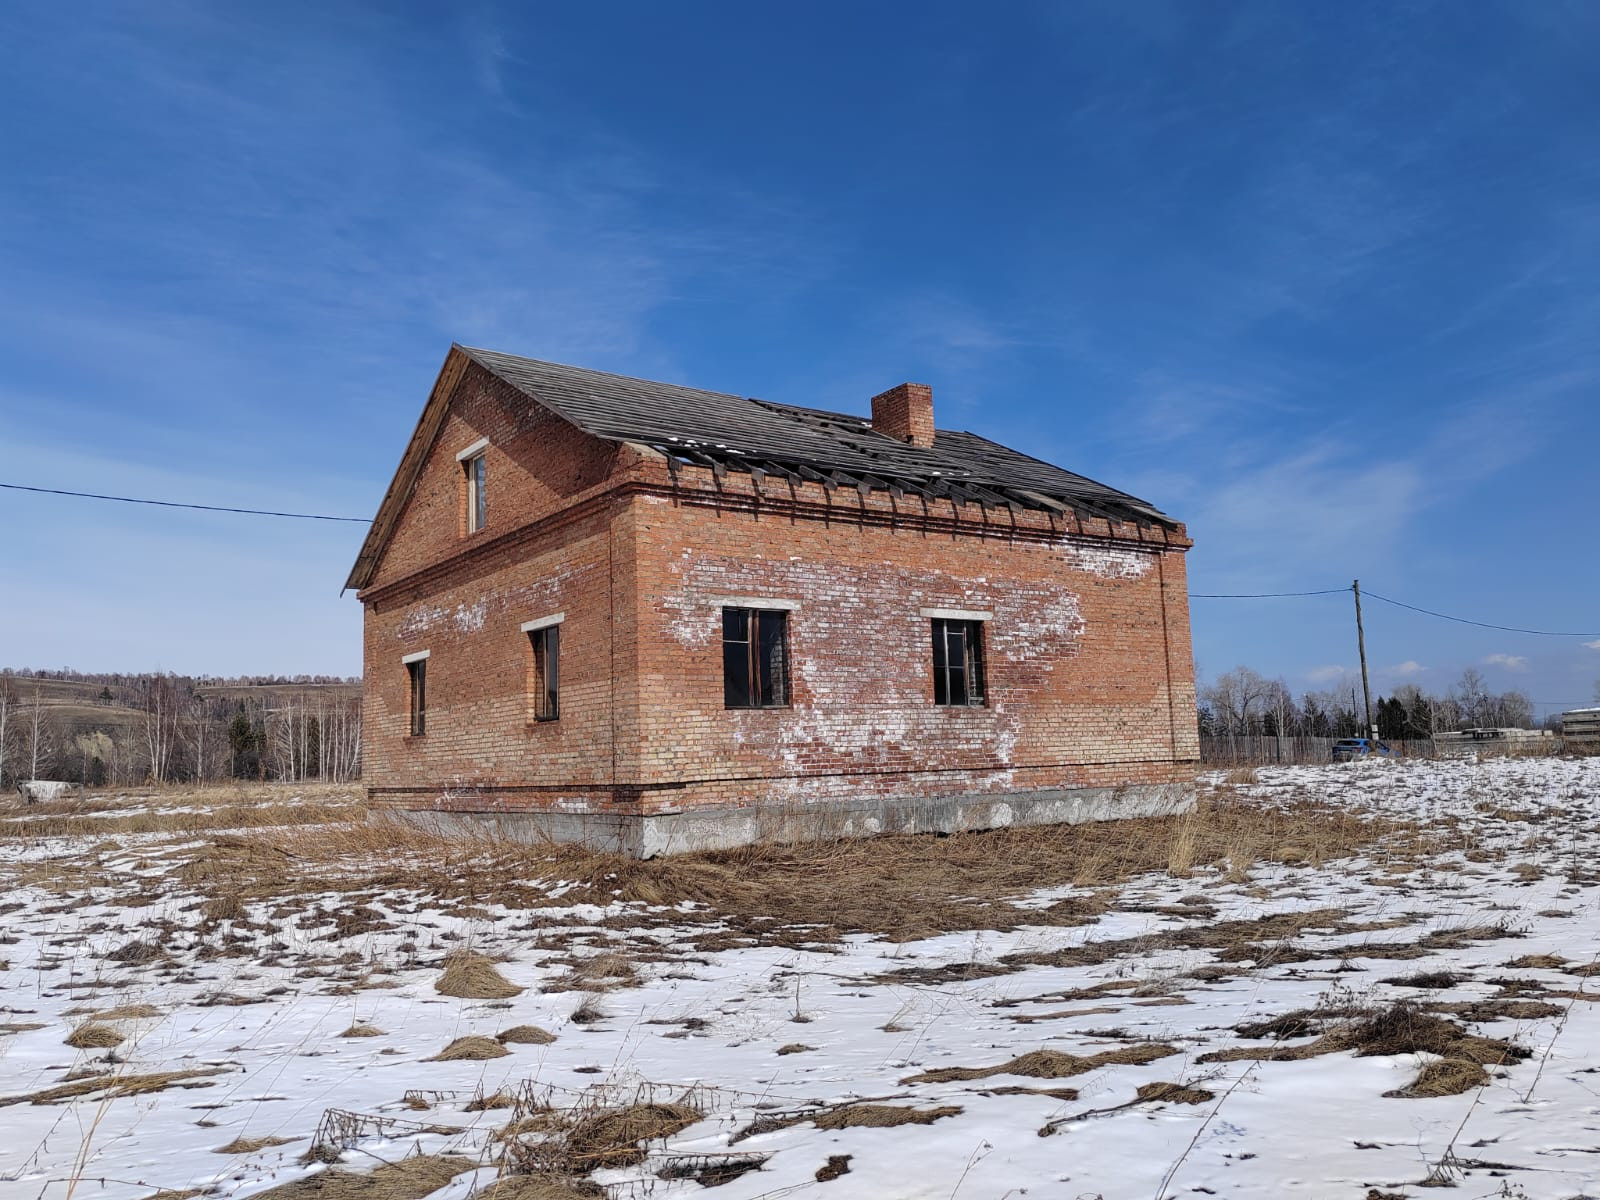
(1088, 661)
(1089, 669)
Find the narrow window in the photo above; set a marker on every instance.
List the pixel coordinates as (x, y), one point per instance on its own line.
(957, 662)
(477, 471)
(546, 683)
(417, 670)
(755, 663)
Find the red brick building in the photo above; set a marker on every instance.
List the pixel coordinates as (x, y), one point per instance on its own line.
(657, 618)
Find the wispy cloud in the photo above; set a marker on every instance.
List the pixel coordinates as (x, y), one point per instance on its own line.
(1511, 662)
(1407, 669)
(1594, 645)
(1328, 674)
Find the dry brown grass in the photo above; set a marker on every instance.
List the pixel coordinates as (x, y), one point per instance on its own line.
(123, 1012)
(1399, 1029)
(409, 1179)
(881, 1116)
(92, 1036)
(596, 973)
(472, 976)
(113, 1086)
(525, 1035)
(1051, 1064)
(362, 1030)
(615, 1137)
(540, 1187)
(901, 887)
(244, 1145)
(470, 1047)
(220, 808)
(1443, 1077)
(1172, 1093)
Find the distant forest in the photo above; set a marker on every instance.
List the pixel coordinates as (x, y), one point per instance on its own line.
(111, 729)
(1243, 702)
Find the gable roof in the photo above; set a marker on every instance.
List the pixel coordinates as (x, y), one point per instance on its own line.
(726, 432)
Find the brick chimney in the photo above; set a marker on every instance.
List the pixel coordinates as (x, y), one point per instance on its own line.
(905, 413)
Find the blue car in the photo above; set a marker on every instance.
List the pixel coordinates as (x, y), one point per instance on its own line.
(1346, 749)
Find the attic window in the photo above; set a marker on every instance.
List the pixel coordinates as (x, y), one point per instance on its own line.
(475, 473)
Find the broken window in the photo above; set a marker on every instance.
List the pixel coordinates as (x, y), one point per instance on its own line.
(546, 682)
(477, 471)
(957, 662)
(755, 661)
(417, 671)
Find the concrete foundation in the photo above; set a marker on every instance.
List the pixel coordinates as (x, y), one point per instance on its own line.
(647, 836)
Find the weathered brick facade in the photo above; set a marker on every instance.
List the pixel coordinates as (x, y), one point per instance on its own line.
(1088, 661)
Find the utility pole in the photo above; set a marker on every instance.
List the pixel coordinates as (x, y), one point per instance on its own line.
(1361, 645)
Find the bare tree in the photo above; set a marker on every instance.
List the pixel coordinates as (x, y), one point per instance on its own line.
(205, 738)
(1233, 697)
(161, 705)
(8, 706)
(1471, 694)
(38, 736)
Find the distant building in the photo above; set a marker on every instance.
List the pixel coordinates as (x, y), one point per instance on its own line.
(1490, 740)
(651, 617)
(1581, 725)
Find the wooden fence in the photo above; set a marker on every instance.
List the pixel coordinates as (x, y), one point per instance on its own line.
(1251, 750)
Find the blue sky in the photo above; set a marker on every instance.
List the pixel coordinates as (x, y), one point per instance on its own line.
(1318, 280)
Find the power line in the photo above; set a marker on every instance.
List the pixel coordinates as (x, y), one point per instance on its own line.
(1480, 624)
(263, 512)
(254, 512)
(1262, 595)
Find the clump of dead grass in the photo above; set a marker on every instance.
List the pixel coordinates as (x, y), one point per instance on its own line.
(244, 1145)
(525, 1035)
(615, 1137)
(837, 1165)
(408, 1179)
(470, 1047)
(540, 1187)
(1051, 1064)
(94, 1036)
(1443, 1077)
(123, 1012)
(1172, 1093)
(113, 1086)
(362, 1030)
(1401, 1028)
(472, 976)
(596, 973)
(881, 1116)
(1548, 962)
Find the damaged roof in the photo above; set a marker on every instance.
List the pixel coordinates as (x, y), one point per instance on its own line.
(740, 433)
(725, 433)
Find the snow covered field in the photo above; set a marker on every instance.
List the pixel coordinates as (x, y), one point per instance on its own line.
(1437, 1024)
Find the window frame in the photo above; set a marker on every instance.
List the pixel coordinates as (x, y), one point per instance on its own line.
(760, 677)
(544, 650)
(972, 670)
(416, 666)
(475, 483)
